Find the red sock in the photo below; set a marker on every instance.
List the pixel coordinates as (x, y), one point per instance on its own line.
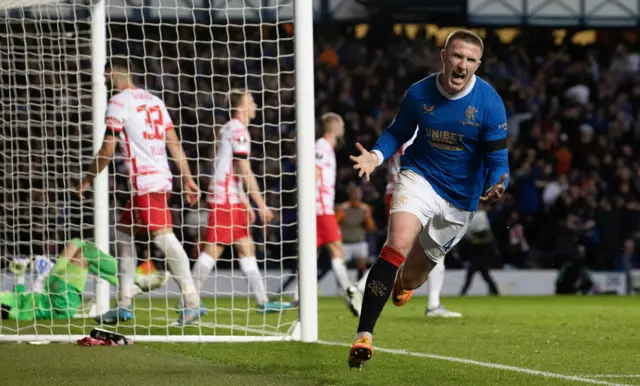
(392, 256)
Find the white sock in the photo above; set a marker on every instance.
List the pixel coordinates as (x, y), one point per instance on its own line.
(249, 267)
(126, 252)
(178, 263)
(363, 282)
(340, 270)
(201, 269)
(435, 281)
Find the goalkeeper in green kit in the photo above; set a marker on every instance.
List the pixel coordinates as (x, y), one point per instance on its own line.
(61, 297)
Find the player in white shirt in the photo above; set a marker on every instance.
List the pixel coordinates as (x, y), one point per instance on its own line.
(436, 276)
(328, 230)
(141, 124)
(231, 214)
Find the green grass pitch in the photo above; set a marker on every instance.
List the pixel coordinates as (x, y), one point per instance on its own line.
(499, 341)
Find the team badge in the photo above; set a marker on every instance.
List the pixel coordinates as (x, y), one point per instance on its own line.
(398, 201)
(470, 115)
(428, 109)
(377, 288)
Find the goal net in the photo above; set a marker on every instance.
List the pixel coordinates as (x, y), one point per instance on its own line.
(53, 102)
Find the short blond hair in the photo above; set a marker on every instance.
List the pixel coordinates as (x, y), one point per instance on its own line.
(330, 118)
(234, 99)
(466, 36)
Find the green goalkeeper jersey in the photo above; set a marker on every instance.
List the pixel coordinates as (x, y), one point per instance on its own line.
(60, 300)
(62, 295)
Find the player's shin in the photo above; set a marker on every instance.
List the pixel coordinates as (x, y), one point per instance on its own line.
(363, 281)
(249, 267)
(178, 263)
(340, 270)
(202, 269)
(378, 289)
(435, 281)
(126, 268)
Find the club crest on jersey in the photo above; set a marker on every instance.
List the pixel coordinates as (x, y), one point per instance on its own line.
(398, 201)
(470, 115)
(428, 109)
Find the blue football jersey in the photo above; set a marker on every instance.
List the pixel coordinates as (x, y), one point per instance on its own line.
(461, 140)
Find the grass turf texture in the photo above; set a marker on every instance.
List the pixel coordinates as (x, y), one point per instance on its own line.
(563, 335)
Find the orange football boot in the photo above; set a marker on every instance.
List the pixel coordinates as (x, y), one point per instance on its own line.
(361, 351)
(400, 296)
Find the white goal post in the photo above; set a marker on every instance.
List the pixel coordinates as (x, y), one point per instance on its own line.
(53, 100)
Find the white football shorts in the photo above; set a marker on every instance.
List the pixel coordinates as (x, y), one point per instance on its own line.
(355, 250)
(443, 224)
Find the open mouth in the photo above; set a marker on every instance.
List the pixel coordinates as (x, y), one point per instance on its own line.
(457, 75)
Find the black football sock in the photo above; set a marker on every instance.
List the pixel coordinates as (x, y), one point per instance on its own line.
(376, 293)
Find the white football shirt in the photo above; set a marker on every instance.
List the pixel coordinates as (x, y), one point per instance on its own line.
(142, 121)
(326, 183)
(226, 185)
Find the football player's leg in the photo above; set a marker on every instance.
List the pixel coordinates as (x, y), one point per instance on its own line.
(218, 236)
(443, 232)
(361, 263)
(338, 265)
(127, 256)
(99, 263)
(206, 263)
(380, 281)
(410, 212)
(411, 275)
(155, 214)
(353, 298)
(435, 282)
(249, 266)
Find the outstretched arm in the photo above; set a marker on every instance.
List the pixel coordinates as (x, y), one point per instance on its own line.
(393, 137)
(399, 131)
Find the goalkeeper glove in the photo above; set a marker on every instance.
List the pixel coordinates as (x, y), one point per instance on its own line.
(19, 266)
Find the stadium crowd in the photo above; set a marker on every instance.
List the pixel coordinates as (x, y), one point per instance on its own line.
(574, 131)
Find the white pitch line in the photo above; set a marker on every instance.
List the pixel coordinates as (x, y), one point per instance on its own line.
(224, 326)
(610, 375)
(490, 365)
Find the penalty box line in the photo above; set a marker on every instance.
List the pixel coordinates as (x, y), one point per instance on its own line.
(490, 365)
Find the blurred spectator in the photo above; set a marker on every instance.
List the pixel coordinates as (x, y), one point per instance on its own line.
(628, 261)
(573, 121)
(482, 247)
(574, 278)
